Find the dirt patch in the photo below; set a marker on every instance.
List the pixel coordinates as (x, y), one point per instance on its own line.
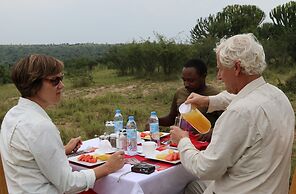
(100, 91)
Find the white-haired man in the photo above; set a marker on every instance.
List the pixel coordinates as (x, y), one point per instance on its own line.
(251, 145)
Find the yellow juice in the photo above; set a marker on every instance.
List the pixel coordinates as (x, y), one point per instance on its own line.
(197, 120)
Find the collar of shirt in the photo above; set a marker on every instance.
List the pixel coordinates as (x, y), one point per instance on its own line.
(33, 105)
(248, 89)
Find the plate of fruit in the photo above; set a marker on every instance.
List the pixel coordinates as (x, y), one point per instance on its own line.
(146, 135)
(168, 155)
(89, 160)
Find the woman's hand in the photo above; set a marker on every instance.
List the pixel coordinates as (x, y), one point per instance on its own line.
(114, 163)
(73, 145)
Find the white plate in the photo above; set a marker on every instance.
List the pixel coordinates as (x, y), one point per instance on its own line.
(163, 134)
(109, 151)
(153, 157)
(74, 159)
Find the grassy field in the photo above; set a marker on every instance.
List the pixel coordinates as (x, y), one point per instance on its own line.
(83, 111)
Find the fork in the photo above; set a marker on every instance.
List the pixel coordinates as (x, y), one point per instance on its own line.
(123, 174)
(131, 161)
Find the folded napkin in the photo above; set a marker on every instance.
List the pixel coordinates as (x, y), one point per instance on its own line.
(90, 191)
(200, 145)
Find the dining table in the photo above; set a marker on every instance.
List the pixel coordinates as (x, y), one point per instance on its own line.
(167, 178)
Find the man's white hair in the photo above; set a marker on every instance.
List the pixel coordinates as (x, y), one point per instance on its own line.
(244, 48)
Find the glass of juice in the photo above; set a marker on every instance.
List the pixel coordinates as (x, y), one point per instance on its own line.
(195, 118)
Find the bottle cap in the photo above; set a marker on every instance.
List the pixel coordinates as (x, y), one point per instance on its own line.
(153, 113)
(131, 117)
(184, 108)
(117, 111)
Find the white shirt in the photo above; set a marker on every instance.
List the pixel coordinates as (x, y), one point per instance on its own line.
(250, 150)
(33, 154)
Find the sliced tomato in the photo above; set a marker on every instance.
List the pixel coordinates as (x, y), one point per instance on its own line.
(178, 156)
(169, 157)
(175, 156)
(161, 148)
(143, 134)
(81, 157)
(92, 160)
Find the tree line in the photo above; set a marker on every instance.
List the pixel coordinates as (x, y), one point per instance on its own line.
(69, 53)
(166, 56)
(278, 38)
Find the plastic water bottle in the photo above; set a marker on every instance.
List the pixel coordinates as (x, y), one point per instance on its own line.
(118, 121)
(154, 128)
(131, 130)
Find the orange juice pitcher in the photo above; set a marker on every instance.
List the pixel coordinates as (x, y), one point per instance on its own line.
(195, 118)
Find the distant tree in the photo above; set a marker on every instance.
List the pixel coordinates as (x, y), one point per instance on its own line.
(268, 31)
(80, 71)
(234, 19)
(204, 50)
(4, 74)
(171, 56)
(148, 57)
(284, 19)
(284, 16)
(117, 58)
(241, 18)
(206, 27)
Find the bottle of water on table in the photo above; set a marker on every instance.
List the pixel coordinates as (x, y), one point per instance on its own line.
(154, 128)
(131, 130)
(118, 122)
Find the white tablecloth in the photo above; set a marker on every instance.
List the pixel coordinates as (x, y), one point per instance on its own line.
(168, 181)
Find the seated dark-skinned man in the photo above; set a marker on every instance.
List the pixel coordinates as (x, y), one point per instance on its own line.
(194, 78)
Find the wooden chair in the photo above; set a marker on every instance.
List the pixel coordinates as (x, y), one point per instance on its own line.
(293, 184)
(3, 186)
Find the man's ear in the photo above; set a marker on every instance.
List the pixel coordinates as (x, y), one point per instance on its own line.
(237, 68)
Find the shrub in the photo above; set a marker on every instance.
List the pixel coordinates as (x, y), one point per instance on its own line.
(290, 85)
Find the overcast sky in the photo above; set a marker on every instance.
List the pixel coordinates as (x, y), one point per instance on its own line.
(106, 21)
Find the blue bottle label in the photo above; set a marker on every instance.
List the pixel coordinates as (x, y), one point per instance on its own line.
(154, 128)
(118, 125)
(131, 134)
(154, 131)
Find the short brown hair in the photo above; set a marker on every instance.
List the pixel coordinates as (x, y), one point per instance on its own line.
(27, 74)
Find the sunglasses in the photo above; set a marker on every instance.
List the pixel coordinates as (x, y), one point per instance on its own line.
(56, 80)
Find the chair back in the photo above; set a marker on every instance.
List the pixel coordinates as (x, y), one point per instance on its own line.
(3, 186)
(293, 184)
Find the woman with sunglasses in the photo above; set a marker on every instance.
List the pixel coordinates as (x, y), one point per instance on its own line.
(32, 151)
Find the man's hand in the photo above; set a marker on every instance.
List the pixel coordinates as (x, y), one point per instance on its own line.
(73, 145)
(177, 134)
(197, 100)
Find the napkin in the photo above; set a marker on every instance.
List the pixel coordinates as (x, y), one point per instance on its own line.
(200, 145)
